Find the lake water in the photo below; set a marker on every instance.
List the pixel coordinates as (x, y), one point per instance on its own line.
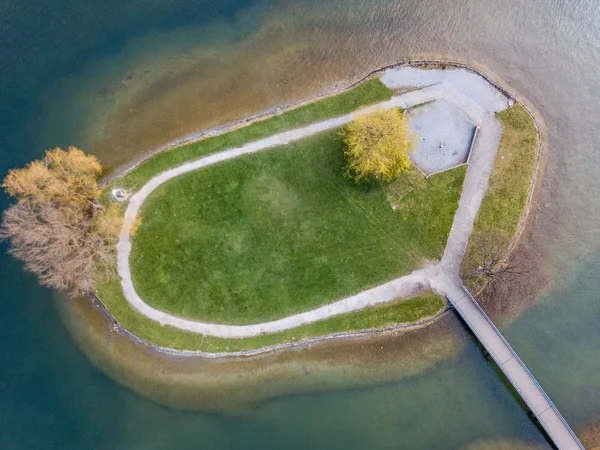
(121, 78)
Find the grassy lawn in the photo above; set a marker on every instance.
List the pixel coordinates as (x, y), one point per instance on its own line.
(362, 241)
(264, 236)
(381, 316)
(511, 177)
(366, 93)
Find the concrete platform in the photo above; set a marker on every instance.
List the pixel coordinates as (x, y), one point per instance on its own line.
(460, 82)
(445, 134)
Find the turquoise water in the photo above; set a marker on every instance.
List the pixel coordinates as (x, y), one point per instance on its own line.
(64, 80)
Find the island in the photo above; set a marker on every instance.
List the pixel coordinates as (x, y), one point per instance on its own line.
(372, 210)
(254, 239)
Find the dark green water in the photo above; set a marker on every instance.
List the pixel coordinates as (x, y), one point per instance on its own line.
(63, 67)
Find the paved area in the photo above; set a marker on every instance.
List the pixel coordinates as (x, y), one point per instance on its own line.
(460, 82)
(445, 136)
(474, 187)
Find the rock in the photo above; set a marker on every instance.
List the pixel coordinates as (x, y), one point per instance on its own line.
(120, 195)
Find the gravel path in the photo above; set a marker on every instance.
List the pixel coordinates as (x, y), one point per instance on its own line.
(483, 153)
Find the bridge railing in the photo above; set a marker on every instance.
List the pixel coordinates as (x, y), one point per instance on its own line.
(514, 354)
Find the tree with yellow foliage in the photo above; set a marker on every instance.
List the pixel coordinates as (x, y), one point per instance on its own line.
(57, 226)
(378, 145)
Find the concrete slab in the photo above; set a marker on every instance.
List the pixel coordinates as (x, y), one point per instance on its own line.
(445, 134)
(461, 82)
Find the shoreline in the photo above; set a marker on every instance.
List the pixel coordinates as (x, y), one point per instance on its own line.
(532, 191)
(238, 384)
(265, 114)
(116, 327)
(201, 135)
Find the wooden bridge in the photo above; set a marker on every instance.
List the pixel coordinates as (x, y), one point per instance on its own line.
(515, 370)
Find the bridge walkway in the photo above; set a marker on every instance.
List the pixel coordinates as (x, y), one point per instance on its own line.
(515, 370)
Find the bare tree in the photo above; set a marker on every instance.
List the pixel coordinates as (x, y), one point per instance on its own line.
(58, 244)
(58, 227)
(490, 265)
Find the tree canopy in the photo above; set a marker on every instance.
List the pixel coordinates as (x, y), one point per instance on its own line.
(57, 226)
(378, 145)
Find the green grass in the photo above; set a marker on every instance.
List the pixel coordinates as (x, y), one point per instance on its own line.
(511, 176)
(366, 93)
(375, 317)
(406, 194)
(268, 235)
(506, 197)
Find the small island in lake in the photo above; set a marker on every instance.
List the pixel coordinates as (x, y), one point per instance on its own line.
(265, 236)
